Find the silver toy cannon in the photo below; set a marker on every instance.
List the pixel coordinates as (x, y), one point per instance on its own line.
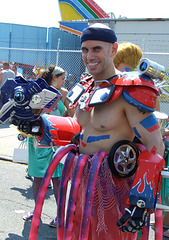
(152, 69)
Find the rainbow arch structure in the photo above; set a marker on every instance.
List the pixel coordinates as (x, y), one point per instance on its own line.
(74, 12)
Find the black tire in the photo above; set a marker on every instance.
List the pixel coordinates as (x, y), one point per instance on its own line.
(122, 159)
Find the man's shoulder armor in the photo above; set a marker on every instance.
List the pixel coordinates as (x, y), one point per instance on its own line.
(138, 90)
(130, 79)
(85, 85)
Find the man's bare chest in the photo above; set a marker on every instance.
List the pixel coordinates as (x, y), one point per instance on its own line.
(101, 118)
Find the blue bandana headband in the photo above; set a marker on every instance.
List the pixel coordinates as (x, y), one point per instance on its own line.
(98, 34)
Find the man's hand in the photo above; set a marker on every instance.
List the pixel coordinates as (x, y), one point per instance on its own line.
(31, 128)
(136, 217)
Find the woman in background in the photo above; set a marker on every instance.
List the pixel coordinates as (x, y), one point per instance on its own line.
(40, 158)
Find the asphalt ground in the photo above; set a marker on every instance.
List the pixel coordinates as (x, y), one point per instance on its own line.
(16, 194)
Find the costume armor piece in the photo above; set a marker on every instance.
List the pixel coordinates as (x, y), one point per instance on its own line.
(61, 130)
(145, 188)
(138, 90)
(151, 69)
(27, 100)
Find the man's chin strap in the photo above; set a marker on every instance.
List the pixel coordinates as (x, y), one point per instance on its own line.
(144, 192)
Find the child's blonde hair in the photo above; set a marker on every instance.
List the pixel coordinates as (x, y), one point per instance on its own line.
(128, 53)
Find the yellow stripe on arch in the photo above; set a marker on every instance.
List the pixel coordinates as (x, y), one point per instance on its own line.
(68, 12)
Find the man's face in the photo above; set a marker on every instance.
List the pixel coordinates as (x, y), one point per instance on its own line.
(98, 56)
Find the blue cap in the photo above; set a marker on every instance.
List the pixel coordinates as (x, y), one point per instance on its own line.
(98, 32)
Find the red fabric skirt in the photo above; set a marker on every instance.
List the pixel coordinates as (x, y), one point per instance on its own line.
(110, 200)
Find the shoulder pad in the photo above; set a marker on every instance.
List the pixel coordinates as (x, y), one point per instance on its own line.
(143, 94)
(138, 90)
(85, 84)
(143, 98)
(133, 78)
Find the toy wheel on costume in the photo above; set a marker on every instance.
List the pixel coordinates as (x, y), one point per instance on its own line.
(122, 159)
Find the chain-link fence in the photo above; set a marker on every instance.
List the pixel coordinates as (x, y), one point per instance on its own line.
(27, 59)
(70, 60)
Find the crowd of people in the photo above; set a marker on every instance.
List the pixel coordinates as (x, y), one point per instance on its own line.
(107, 122)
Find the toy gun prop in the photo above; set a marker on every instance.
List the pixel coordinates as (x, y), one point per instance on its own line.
(152, 69)
(26, 99)
(155, 71)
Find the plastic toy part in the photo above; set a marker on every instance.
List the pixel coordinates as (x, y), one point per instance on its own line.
(122, 159)
(26, 99)
(147, 180)
(58, 130)
(152, 69)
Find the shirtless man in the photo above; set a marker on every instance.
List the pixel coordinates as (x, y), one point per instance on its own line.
(102, 126)
(116, 119)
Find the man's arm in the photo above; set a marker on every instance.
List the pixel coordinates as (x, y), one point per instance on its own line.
(146, 128)
(147, 179)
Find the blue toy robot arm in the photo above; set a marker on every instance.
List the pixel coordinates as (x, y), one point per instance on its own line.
(27, 100)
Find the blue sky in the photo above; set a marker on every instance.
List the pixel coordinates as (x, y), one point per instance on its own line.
(46, 13)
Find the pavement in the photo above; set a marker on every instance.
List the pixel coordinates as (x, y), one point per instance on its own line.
(16, 194)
